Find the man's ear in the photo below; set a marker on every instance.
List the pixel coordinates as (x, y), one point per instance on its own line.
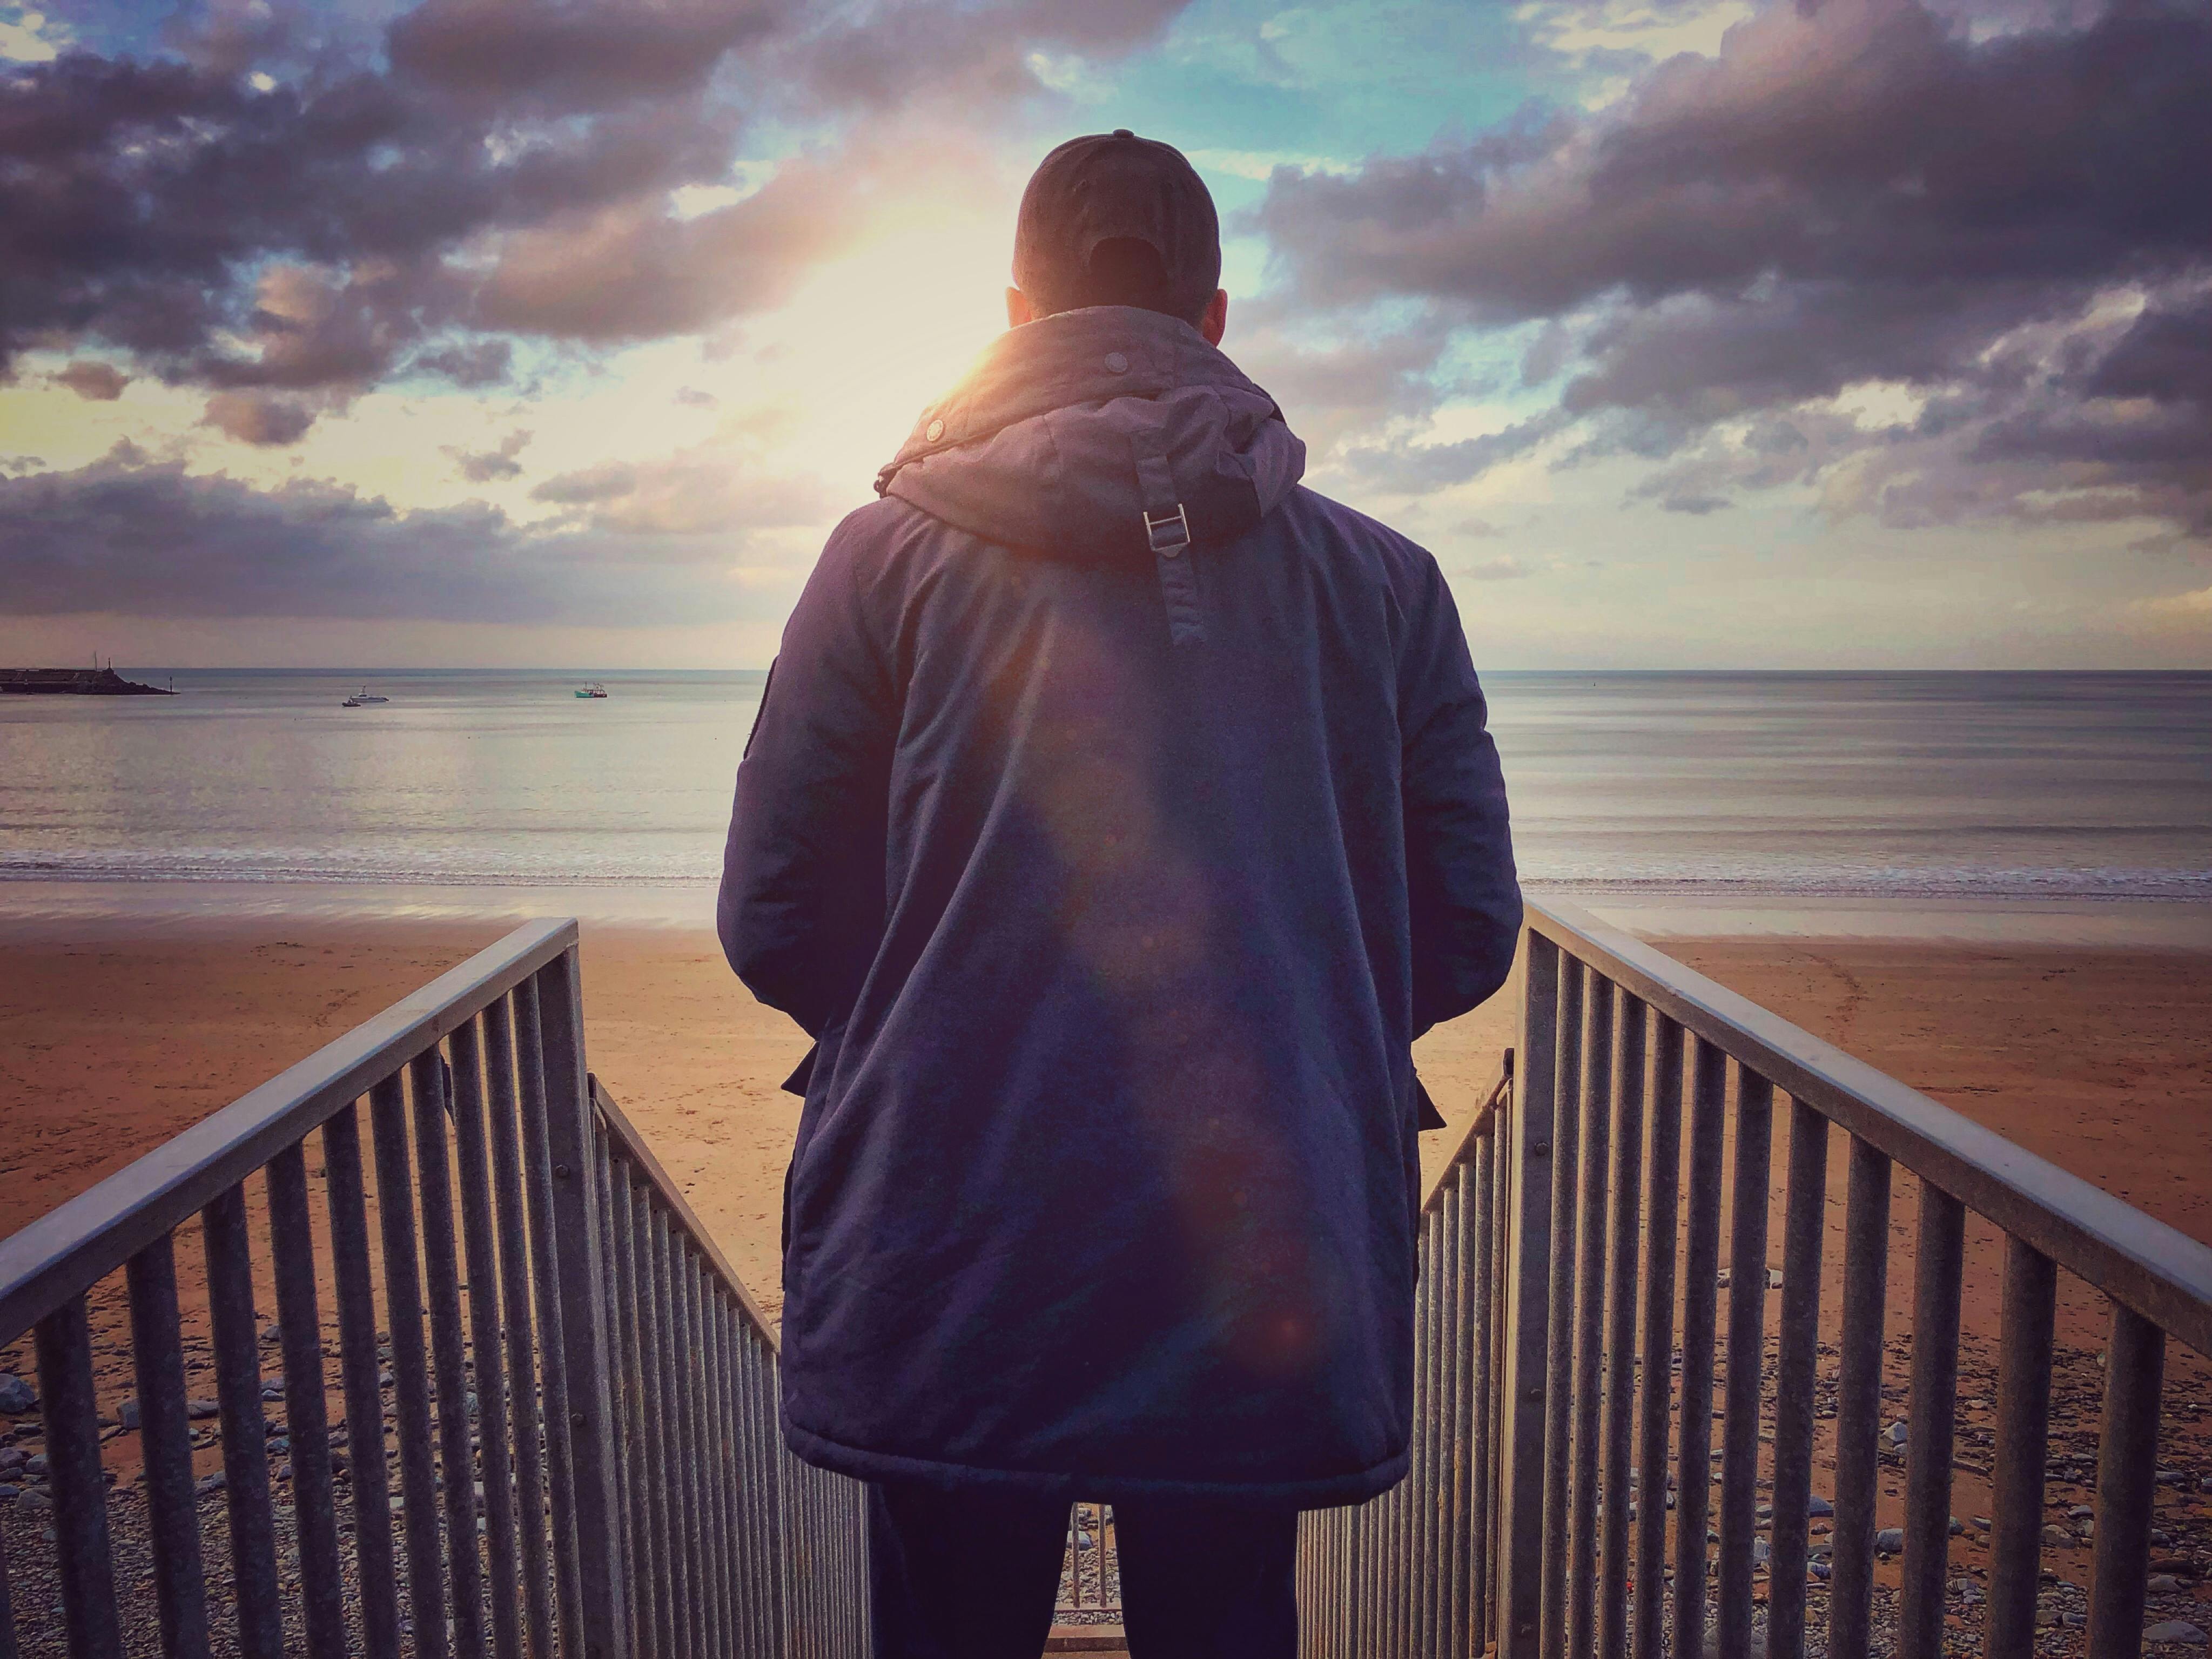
(1019, 309)
(1215, 323)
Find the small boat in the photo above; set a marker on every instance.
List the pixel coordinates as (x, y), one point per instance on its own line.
(594, 689)
(362, 698)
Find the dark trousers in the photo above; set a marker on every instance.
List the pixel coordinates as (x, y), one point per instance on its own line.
(973, 1575)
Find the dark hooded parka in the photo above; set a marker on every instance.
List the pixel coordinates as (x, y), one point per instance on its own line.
(1117, 814)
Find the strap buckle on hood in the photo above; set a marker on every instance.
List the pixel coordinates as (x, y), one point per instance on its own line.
(1169, 534)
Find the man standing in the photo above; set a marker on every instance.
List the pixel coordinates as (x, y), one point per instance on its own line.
(1117, 814)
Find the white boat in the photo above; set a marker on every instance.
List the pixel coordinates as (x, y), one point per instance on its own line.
(594, 690)
(362, 698)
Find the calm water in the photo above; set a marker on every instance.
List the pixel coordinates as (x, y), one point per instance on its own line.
(2007, 786)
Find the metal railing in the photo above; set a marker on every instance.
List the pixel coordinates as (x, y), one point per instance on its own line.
(1569, 1346)
(1089, 1573)
(581, 1397)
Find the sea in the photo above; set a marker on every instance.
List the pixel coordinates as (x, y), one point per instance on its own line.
(1681, 794)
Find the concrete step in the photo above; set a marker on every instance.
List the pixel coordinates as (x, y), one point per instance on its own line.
(1102, 1641)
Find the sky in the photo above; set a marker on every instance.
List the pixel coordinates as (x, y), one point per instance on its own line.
(1685, 333)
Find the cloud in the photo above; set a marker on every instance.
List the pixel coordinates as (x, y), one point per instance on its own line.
(184, 545)
(886, 54)
(1505, 569)
(288, 201)
(705, 492)
(30, 37)
(562, 59)
(1333, 385)
(1861, 191)
(482, 465)
(259, 418)
(634, 270)
(99, 383)
(1405, 467)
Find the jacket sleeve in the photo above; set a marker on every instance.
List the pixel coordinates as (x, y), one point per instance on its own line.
(801, 909)
(1464, 897)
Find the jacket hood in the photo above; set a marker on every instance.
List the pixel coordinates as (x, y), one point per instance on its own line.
(1071, 432)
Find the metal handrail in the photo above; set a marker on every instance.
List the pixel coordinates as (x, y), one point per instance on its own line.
(580, 1395)
(2159, 1272)
(641, 1155)
(1569, 1349)
(80, 1240)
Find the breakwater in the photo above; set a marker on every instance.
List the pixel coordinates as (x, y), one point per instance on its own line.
(75, 681)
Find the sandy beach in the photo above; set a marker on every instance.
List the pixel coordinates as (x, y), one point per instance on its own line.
(2093, 1056)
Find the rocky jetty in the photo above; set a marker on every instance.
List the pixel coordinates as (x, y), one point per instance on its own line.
(75, 681)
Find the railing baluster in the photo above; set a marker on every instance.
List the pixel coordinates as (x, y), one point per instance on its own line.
(725, 1477)
(2031, 1287)
(547, 1273)
(1560, 1359)
(1594, 1138)
(618, 1361)
(299, 1325)
(441, 1274)
(674, 1449)
(604, 1632)
(1418, 1484)
(244, 1427)
(769, 1446)
(683, 1449)
(1859, 1400)
(1803, 1233)
(660, 1434)
(402, 1298)
(486, 1342)
(78, 1483)
(1451, 1569)
(1522, 1265)
(519, 1278)
(1475, 1213)
(754, 1495)
(1747, 1348)
(1627, 1160)
(1936, 1267)
(173, 1523)
(753, 1506)
(1663, 1179)
(1701, 1255)
(644, 1562)
(2127, 1472)
(1432, 1576)
(710, 1589)
(367, 1478)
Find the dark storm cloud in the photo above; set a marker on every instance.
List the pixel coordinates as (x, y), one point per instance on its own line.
(100, 383)
(487, 168)
(1861, 190)
(185, 546)
(260, 417)
(565, 57)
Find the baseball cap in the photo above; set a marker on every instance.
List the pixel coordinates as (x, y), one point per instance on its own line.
(1114, 187)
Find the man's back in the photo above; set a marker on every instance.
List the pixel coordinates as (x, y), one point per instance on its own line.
(1118, 813)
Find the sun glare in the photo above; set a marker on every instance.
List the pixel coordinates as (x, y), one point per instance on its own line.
(874, 337)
